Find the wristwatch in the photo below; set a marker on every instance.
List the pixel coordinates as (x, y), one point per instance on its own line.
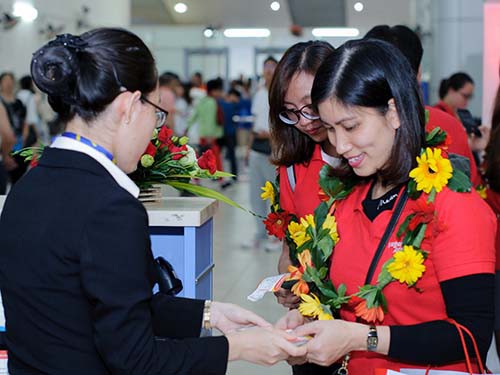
(372, 339)
(206, 315)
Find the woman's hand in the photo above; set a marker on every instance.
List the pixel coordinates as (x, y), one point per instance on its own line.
(332, 339)
(227, 317)
(286, 298)
(291, 320)
(263, 346)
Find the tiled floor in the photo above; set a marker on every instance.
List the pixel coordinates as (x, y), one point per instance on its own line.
(239, 270)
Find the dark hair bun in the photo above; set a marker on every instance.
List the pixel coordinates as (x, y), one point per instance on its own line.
(54, 71)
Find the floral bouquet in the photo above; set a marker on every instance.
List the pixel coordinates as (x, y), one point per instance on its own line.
(167, 160)
(312, 238)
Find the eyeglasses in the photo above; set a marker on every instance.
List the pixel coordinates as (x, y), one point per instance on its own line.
(161, 114)
(292, 116)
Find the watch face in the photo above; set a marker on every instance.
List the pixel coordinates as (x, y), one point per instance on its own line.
(372, 343)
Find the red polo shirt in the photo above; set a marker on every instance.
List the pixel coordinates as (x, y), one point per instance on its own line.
(465, 246)
(458, 136)
(304, 199)
(493, 200)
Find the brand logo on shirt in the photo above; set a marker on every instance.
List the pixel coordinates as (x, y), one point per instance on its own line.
(383, 202)
(395, 246)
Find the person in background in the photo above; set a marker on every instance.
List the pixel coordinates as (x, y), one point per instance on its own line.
(209, 118)
(258, 154)
(168, 82)
(27, 96)
(408, 42)
(230, 108)
(182, 109)
(16, 111)
(77, 278)
(492, 179)
(300, 148)
(455, 93)
(375, 118)
(7, 142)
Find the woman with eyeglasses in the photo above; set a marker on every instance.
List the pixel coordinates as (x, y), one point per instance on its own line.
(300, 146)
(409, 273)
(455, 93)
(76, 267)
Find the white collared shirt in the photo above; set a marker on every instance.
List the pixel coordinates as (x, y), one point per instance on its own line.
(119, 176)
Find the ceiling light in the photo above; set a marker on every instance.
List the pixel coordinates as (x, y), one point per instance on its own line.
(180, 8)
(247, 33)
(26, 11)
(208, 32)
(358, 7)
(275, 5)
(335, 32)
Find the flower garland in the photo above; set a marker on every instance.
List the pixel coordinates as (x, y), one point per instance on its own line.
(312, 238)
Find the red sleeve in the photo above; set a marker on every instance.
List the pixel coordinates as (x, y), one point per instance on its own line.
(493, 199)
(465, 245)
(459, 141)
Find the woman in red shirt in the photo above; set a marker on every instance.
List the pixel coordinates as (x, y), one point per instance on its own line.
(374, 116)
(300, 146)
(455, 93)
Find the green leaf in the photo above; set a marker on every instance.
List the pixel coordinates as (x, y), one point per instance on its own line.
(327, 292)
(419, 237)
(341, 290)
(384, 276)
(413, 193)
(325, 245)
(459, 182)
(461, 163)
(323, 272)
(404, 226)
(431, 134)
(334, 186)
(205, 192)
(320, 214)
(427, 116)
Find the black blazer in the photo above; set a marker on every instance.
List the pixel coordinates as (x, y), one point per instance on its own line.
(76, 274)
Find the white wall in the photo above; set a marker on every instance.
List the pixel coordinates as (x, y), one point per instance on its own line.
(457, 38)
(491, 64)
(17, 44)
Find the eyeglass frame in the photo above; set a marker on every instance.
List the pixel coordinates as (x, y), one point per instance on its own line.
(298, 113)
(160, 112)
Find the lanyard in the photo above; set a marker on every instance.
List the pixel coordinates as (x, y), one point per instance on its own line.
(88, 142)
(388, 232)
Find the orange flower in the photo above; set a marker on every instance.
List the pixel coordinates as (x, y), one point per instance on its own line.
(300, 287)
(369, 315)
(296, 273)
(323, 197)
(424, 214)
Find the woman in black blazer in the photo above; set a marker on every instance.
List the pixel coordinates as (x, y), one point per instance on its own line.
(76, 269)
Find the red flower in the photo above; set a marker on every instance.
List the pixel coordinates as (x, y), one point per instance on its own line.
(276, 223)
(207, 161)
(425, 213)
(150, 150)
(369, 315)
(177, 150)
(34, 162)
(165, 134)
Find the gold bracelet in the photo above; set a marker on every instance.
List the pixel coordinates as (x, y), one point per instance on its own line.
(206, 315)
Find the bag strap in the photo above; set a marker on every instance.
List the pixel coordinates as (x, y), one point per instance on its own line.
(461, 329)
(387, 234)
(290, 171)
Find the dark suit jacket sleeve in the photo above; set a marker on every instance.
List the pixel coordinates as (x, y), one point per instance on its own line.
(115, 271)
(176, 317)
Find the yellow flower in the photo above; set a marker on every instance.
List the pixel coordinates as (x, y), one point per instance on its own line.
(307, 221)
(433, 171)
(298, 233)
(311, 306)
(481, 190)
(268, 192)
(331, 224)
(407, 266)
